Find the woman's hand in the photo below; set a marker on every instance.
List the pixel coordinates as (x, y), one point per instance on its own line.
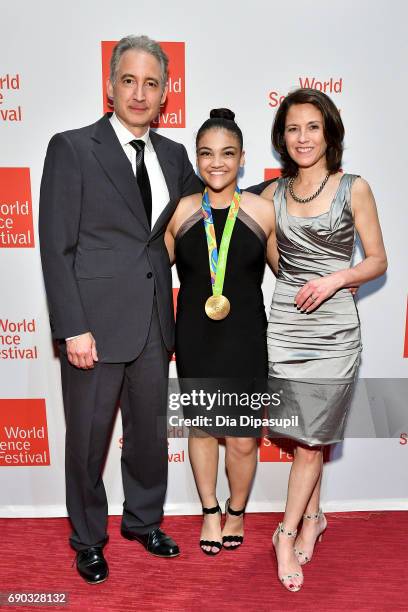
(373, 265)
(316, 291)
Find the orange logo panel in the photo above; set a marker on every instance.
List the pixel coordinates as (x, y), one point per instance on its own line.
(173, 113)
(271, 173)
(175, 296)
(278, 451)
(23, 433)
(16, 216)
(282, 450)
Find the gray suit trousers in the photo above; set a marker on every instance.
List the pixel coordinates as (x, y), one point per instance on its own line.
(90, 401)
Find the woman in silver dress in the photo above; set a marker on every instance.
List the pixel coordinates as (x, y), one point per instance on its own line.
(314, 331)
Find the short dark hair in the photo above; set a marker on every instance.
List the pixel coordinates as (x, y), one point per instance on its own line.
(333, 128)
(222, 119)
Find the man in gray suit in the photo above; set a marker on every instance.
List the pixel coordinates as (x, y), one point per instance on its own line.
(107, 192)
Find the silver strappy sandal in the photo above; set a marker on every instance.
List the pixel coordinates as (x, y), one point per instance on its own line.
(303, 558)
(286, 579)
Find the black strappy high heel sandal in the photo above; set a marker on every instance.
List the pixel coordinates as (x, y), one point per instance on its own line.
(237, 540)
(212, 543)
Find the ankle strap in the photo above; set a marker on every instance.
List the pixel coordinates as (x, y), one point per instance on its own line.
(231, 511)
(290, 534)
(313, 517)
(212, 510)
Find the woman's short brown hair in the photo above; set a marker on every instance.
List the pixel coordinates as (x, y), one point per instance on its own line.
(333, 128)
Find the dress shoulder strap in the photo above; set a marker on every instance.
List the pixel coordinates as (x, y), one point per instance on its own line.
(279, 194)
(344, 192)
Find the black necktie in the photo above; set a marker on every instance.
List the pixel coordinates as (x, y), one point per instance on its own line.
(142, 177)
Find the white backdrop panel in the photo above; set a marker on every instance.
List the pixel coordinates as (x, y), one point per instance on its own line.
(235, 57)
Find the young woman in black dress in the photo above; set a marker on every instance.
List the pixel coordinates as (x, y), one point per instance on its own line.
(235, 346)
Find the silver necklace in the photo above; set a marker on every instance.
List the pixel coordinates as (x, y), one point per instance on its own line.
(310, 198)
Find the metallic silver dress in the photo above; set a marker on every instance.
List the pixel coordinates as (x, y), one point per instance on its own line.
(313, 358)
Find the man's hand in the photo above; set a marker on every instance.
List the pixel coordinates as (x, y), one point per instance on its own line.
(81, 351)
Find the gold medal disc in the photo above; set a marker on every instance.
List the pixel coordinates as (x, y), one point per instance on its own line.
(217, 307)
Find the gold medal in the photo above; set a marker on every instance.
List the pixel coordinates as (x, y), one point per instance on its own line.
(217, 307)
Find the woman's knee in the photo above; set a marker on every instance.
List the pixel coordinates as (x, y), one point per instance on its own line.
(308, 455)
(241, 447)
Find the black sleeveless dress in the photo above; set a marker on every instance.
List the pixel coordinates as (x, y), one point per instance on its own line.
(235, 347)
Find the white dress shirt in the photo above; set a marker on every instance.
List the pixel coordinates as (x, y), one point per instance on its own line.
(160, 193)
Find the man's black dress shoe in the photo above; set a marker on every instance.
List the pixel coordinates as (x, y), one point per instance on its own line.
(91, 565)
(155, 542)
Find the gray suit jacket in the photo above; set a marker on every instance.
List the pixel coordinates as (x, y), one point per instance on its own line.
(102, 264)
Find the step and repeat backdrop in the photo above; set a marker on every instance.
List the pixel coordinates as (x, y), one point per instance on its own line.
(53, 67)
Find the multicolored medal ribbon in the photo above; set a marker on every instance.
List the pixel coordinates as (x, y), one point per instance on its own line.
(217, 306)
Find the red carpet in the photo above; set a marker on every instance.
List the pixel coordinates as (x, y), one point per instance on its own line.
(360, 565)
